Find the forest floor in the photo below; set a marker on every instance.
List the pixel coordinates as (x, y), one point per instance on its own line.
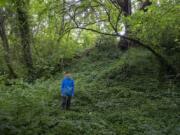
(116, 94)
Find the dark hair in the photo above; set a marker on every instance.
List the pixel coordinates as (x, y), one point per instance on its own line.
(66, 72)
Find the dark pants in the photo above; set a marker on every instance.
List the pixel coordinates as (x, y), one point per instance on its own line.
(66, 102)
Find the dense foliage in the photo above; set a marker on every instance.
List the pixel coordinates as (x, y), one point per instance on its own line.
(123, 55)
(120, 98)
(42, 33)
(159, 28)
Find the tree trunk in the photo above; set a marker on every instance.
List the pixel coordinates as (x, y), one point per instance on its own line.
(24, 29)
(5, 45)
(62, 13)
(62, 17)
(125, 6)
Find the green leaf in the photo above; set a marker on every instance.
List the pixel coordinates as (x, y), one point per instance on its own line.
(2, 3)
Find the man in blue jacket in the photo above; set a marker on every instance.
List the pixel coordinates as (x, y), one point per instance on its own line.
(67, 90)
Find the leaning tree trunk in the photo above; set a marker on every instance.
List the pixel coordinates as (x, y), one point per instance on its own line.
(166, 67)
(24, 29)
(5, 45)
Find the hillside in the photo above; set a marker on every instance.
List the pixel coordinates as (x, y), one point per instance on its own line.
(117, 93)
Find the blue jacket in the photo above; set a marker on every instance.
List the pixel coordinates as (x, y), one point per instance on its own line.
(67, 87)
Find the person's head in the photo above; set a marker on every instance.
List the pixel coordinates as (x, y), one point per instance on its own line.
(67, 74)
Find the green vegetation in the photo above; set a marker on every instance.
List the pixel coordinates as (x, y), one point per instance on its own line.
(123, 55)
(114, 95)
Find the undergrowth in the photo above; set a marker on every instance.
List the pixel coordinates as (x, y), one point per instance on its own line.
(117, 93)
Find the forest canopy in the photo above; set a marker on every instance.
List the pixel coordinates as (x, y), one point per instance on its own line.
(38, 34)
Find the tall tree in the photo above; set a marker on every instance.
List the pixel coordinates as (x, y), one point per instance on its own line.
(125, 7)
(5, 45)
(62, 16)
(24, 28)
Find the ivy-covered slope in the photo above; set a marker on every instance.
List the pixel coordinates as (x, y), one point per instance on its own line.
(116, 94)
